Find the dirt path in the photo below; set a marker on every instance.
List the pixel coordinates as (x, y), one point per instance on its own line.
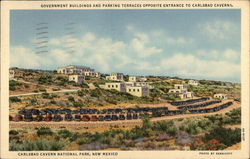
(50, 92)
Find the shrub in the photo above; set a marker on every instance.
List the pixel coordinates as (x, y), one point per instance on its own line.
(65, 133)
(44, 131)
(42, 90)
(33, 101)
(12, 88)
(46, 95)
(80, 93)
(13, 84)
(55, 89)
(96, 84)
(95, 93)
(78, 104)
(226, 136)
(71, 99)
(212, 144)
(13, 132)
(40, 144)
(45, 79)
(84, 140)
(15, 99)
(192, 126)
(53, 102)
(84, 85)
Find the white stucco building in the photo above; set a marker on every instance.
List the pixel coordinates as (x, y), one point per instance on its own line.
(138, 91)
(121, 87)
(193, 82)
(115, 77)
(137, 79)
(220, 96)
(181, 90)
(80, 70)
(78, 79)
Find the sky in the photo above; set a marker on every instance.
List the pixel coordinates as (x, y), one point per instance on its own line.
(197, 44)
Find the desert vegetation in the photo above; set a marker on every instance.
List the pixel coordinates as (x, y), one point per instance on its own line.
(204, 133)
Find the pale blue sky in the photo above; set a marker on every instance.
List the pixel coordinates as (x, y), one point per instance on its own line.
(202, 44)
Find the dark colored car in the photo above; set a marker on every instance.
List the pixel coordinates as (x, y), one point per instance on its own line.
(78, 117)
(75, 111)
(35, 111)
(92, 111)
(68, 117)
(135, 116)
(118, 110)
(100, 117)
(85, 118)
(94, 118)
(48, 117)
(129, 116)
(43, 112)
(22, 111)
(57, 117)
(121, 117)
(18, 117)
(114, 117)
(28, 117)
(107, 118)
(38, 118)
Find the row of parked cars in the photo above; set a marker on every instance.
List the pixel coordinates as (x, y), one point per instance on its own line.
(76, 117)
(185, 107)
(111, 117)
(214, 109)
(190, 101)
(91, 111)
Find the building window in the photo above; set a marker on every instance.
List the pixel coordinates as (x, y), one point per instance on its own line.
(116, 86)
(108, 86)
(134, 90)
(112, 86)
(129, 90)
(138, 90)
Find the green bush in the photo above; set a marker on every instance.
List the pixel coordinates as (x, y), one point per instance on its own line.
(46, 96)
(65, 133)
(191, 126)
(13, 132)
(71, 99)
(45, 79)
(226, 136)
(80, 93)
(42, 90)
(96, 93)
(15, 99)
(12, 88)
(84, 140)
(53, 102)
(13, 84)
(165, 127)
(44, 131)
(40, 144)
(33, 101)
(78, 104)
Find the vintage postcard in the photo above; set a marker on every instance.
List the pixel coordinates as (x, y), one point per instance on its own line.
(119, 79)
